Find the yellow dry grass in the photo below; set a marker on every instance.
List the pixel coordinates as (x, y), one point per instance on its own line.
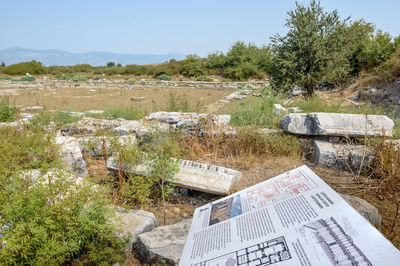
(81, 99)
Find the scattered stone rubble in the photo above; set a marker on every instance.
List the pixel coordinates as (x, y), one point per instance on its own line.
(342, 151)
(177, 117)
(165, 244)
(94, 85)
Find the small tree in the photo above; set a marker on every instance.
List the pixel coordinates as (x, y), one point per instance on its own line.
(110, 64)
(316, 49)
(160, 149)
(3, 64)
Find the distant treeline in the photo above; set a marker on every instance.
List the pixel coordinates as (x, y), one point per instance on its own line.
(241, 62)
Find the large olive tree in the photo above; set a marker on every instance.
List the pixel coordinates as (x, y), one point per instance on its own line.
(317, 48)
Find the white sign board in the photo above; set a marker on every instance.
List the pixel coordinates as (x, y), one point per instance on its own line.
(291, 219)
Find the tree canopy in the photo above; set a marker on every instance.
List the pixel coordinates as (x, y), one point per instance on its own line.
(317, 48)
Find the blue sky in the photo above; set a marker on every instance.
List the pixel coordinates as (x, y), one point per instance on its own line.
(150, 26)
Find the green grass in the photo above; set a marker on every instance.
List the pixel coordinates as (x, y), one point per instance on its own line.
(26, 78)
(60, 118)
(79, 78)
(5, 77)
(180, 103)
(316, 104)
(256, 112)
(72, 77)
(129, 113)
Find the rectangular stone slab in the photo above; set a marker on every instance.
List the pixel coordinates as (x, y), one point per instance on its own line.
(206, 177)
(334, 124)
(341, 156)
(193, 175)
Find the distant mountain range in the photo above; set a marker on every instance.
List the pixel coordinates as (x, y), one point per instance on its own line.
(58, 57)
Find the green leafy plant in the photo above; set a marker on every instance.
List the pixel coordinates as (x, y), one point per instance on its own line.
(56, 221)
(163, 168)
(51, 219)
(317, 48)
(7, 112)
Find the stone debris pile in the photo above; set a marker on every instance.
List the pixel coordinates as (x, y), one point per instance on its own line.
(94, 85)
(346, 153)
(180, 119)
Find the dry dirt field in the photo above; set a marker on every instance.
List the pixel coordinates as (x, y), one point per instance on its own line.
(82, 98)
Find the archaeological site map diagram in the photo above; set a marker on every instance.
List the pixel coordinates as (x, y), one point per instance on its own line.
(265, 253)
(281, 188)
(337, 245)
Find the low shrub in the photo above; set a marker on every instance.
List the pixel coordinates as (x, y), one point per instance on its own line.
(32, 67)
(164, 76)
(7, 112)
(158, 147)
(56, 221)
(387, 71)
(49, 220)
